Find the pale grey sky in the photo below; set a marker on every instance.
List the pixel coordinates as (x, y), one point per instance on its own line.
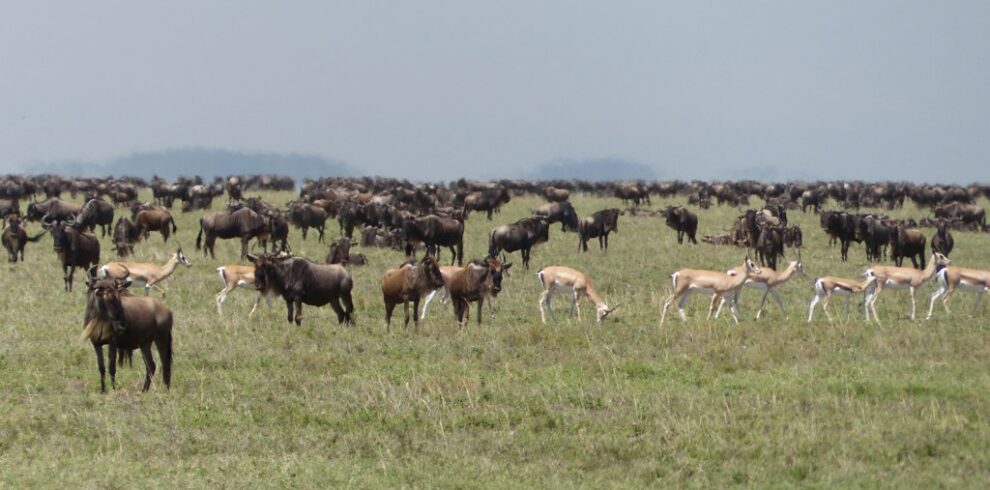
(429, 89)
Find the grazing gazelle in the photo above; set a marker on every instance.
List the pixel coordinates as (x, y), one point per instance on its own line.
(718, 284)
(826, 286)
(234, 276)
(574, 282)
(766, 281)
(142, 273)
(952, 278)
(904, 278)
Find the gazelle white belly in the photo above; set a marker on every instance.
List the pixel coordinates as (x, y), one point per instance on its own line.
(974, 286)
(699, 289)
(896, 285)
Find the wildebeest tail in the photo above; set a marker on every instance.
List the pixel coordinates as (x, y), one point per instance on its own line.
(174, 228)
(199, 236)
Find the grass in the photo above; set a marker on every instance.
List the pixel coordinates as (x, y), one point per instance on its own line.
(513, 403)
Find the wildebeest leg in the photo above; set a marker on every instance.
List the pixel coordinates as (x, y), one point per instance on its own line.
(405, 313)
(113, 366)
(389, 307)
(691, 237)
(415, 311)
(606, 241)
(100, 365)
(299, 314)
(245, 241)
(481, 301)
(320, 230)
(335, 304)
(601, 242)
(305, 230)
(149, 365)
(348, 307)
(65, 278)
(288, 307)
(211, 241)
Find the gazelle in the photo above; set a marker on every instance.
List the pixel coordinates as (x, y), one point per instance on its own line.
(234, 276)
(766, 281)
(952, 278)
(145, 274)
(826, 286)
(557, 277)
(718, 284)
(904, 278)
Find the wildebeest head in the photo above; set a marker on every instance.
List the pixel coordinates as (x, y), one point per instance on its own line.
(269, 270)
(431, 268)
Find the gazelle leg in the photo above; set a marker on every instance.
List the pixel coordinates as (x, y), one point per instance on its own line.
(575, 306)
(543, 298)
(711, 305)
(825, 302)
(931, 304)
(811, 309)
(913, 302)
(780, 303)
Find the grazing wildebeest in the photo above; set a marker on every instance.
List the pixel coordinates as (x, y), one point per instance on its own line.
(300, 281)
(683, 220)
(155, 219)
(74, 247)
(15, 238)
(907, 242)
(55, 208)
(95, 212)
(125, 322)
(488, 200)
(410, 282)
(475, 282)
(599, 224)
(306, 216)
(243, 223)
(559, 212)
(522, 235)
(942, 241)
(435, 232)
(125, 235)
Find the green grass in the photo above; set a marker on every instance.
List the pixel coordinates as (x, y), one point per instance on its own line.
(512, 403)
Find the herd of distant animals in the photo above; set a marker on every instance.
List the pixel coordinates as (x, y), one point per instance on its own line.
(408, 217)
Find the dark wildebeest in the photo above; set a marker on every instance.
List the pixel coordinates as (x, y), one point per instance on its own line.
(770, 245)
(559, 212)
(599, 224)
(683, 220)
(306, 216)
(125, 322)
(907, 242)
(488, 200)
(15, 238)
(155, 219)
(793, 237)
(971, 215)
(300, 281)
(277, 232)
(243, 223)
(812, 198)
(340, 253)
(74, 247)
(95, 212)
(55, 208)
(9, 207)
(942, 241)
(125, 235)
(435, 232)
(407, 283)
(876, 236)
(475, 282)
(522, 235)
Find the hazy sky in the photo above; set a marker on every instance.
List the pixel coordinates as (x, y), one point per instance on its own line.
(431, 90)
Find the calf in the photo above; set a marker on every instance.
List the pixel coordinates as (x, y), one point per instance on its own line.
(410, 283)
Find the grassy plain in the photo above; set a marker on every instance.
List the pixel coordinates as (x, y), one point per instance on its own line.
(512, 403)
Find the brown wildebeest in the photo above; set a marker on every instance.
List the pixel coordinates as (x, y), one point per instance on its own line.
(907, 242)
(683, 221)
(155, 219)
(306, 216)
(488, 200)
(15, 238)
(522, 235)
(410, 283)
(125, 235)
(942, 241)
(554, 194)
(74, 247)
(435, 232)
(300, 281)
(96, 212)
(475, 282)
(340, 253)
(55, 208)
(125, 322)
(243, 223)
(559, 212)
(599, 224)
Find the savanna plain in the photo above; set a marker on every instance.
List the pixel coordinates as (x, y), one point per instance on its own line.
(512, 402)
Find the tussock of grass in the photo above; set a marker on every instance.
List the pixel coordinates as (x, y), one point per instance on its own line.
(515, 403)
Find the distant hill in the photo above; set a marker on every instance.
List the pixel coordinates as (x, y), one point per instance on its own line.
(593, 169)
(205, 162)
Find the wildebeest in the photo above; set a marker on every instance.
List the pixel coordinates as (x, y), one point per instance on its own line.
(243, 223)
(559, 212)
(475, 282)
(410, 283)
(300, 281)
(116, 318)
(522, 235)
(554, 194)
(15, 238)
(971, 215)
(55, 208)
(599, 224)
(95, 212)
(125, 235)
(9, 207)
(306, 216)
(488, 200)
(770, 245)
(876, 236)
(276, 232)
(907, 242)
(155, 219)
(74, 247)
(683, 221)
(942, 241)
(435, 232)
(340, 253)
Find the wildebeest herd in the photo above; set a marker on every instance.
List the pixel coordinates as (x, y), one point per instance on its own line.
(419, 221)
